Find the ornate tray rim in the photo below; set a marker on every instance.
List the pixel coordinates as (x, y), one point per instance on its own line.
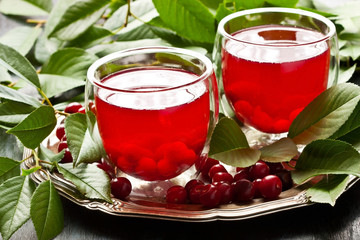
(173, 212)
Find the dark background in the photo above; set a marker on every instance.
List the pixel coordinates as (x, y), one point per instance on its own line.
(312, 222)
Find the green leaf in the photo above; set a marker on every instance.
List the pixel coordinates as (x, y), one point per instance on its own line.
(48, 155)
(46, 211)
(246, 4)
(90, 37)
(25, 7)
(283, 3)
(12, 113)
(4, 75)
(80, 141)
(89, 180)
(8, 168)
(70, 62)
(213, 4)
(229, 145)
(350, 50)
(36, 127)
(55, 84)
(352, 138)
(15, 197)
(21, 38)
(328, 189)
(18, 64)
(325, 114)
(282, 150)
(13, 95)
(188, 18)
(143, 10)
(346, 74)
(326, 157)
(9, 146)
(222, 12)
(78, 18)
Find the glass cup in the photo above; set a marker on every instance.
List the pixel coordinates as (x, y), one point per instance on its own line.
(270, 63)
(155, 109)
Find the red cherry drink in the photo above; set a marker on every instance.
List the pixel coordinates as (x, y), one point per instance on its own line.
(157, 135)
(268, 83)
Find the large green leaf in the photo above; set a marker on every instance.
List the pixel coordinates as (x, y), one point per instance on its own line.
(9, 146)
(55, 84)
(325, 114)
(26, 7)
(12, 113)
(346, 73)
(70, 62)
(15, 197)
(328, 189)
(17, 96)
(90, 37)
(36, 127)
(80, 141)
(326, 157)
(78, 18)
(21, 38)
(229, 145)
(282, 150)
(18, 64)
(89, 180)
(46, 211)
(241, 4)
(283, 3)
(188, 18)
(8, 168)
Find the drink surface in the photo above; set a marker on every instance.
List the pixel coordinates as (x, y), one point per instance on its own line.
(269, 82)
(150, 133)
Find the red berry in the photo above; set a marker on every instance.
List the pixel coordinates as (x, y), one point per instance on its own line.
(226, 192)
(60, 132)
(72, 107)
(192, 183)
(242, 174)
(62, 145)
(256, 184)
(216, 168)
(210, 196)
(208, 164)
(243, 190)
(222, 177)
(176, 194)
(110, 171)
(286, 180)
(67, 157)
(259, 170)
(270, 187)
(195, 192)
(120, 187)
(82, 110)
(275, 167)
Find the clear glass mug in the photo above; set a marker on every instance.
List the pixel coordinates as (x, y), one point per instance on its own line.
(155, 109)
(270, 63)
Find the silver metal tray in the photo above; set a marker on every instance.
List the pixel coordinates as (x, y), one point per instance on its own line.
(147, 201)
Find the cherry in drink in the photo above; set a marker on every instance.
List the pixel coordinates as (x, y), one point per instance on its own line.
(146, 137)
(268, 87)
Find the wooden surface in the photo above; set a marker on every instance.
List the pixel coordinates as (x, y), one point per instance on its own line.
(313, 222)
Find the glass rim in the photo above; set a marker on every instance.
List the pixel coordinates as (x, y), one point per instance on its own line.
(148, 50)
(327, 22)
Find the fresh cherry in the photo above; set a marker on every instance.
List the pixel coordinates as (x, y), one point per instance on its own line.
(176, 194)
(256, 184)
(226, 192)
(286, 180)
(215, 169)
(192, 183)
(207, 165)
(73, 107)
(82, 110)
(120, 187)
(222, 177)
(107, 168)
(210, 196)
(270, 187)
(195, 192)
(275, 167)
(60, 132)
(67, 157)
(242, 174)
(259, 170)
(243, 190)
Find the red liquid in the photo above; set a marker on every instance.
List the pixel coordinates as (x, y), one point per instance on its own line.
(148, 137)
(268, 86)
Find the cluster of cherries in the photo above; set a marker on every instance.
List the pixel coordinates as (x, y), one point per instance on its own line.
(217, 186)
(120, 186)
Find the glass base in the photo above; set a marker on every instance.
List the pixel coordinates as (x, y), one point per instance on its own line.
(258, 139)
